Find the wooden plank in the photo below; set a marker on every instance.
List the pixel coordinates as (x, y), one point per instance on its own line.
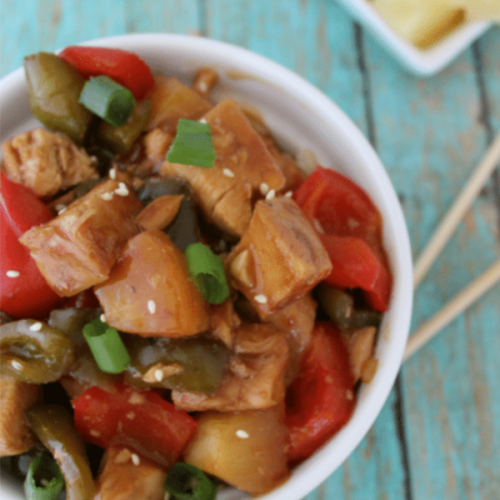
(53, 24)
(314, 38)
(429, 138)
(373, 470)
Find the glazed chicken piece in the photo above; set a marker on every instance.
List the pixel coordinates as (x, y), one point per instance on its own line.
(256, 379)
(15, 398)
(46, 162)
(279, 259)
(124, 476)
(297, 322)
(149, 291)
(77, 249)
(243, 164)
(172, 100)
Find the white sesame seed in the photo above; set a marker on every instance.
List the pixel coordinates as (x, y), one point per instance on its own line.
(318, 226)
(203, 87)
(122, 190)
(44, 483)
(228, 173)
(36, 327)
(242, 434)
(152, 306)
(112, 174)
(135, 459)
(271, 194)
(107, 196)
(102, 318)
(94, 433)
(261, 299)
(289, 194)
(60, 206)
(159, 375)
(166, 496)
(203, 120)
(131, 415)
(264, 189)
(61, 211)
(16, 365)
(13, 274)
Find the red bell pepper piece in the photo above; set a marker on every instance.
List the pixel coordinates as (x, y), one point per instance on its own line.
(122, 66)
(350, 227)
(321, 400)
(141, 420)
(27, 294)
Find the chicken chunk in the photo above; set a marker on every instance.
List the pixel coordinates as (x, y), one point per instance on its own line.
(149, 291)
(46, 162)
(243, 163)
(77, 249)
(172, 100)
(127, 477)
(297, 322)
(279, 259)
(257, 376)
(15, 398)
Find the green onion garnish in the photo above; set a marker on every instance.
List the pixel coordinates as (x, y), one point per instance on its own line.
(108, 100)
(107, 347)
(44, 480)
(192, 144)
(186, 482)
(207, 271)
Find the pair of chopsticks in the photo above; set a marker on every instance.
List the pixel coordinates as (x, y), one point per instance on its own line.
(437, 242)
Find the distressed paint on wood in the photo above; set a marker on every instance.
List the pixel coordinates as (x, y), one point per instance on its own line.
(429, 137)
(314, 38)
(429, 133)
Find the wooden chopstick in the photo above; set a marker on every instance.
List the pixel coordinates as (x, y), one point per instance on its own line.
(437, 242)
(451, 310)
(457, 211)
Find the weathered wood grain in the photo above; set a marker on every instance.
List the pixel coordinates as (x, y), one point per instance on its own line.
(46, 25)
(314, 38)
(429, 136)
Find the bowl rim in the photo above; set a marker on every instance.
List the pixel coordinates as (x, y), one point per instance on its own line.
(321, 465)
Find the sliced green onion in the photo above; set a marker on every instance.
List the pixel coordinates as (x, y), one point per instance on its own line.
(187, 482)
(44, 480)
(207, 271)
(107, 347)
(108, 100)
(192, 144)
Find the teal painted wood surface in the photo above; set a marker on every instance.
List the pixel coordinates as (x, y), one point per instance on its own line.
(438, 435)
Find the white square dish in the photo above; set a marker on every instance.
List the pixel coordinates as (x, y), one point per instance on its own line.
(422, 62)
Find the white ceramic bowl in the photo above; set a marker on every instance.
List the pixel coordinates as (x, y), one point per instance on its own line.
(301, 117)
(422, 62)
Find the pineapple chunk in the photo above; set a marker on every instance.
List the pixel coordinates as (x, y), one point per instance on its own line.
(149, 291)
(172, 100)
(421, 22)
(246, 449)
